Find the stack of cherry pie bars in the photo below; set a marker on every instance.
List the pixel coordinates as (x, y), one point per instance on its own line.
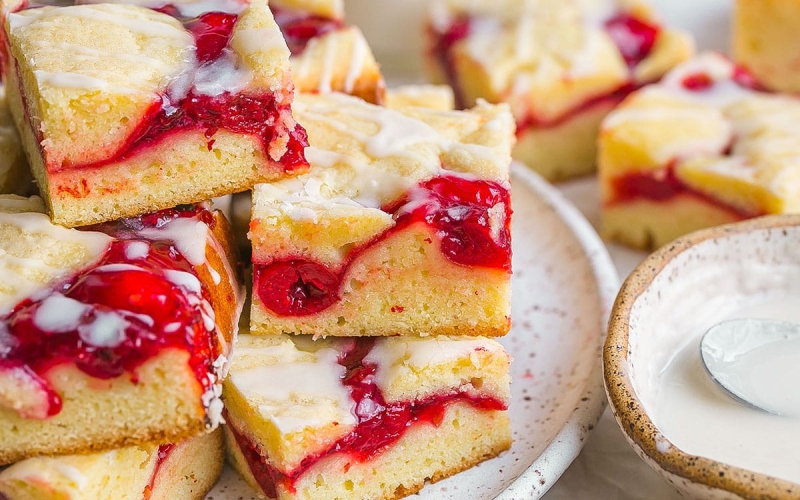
(381, 258)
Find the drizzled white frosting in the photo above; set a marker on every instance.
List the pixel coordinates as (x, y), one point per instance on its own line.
(296, 383)
(387, 151)
(189, 236)
(31, 254)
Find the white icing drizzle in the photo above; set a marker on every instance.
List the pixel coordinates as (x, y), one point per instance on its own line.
(23, 276)
(356, 66)
(40, 469)
(326, 77)
(136, 250)
(301, 392)
(116, 268)
(107, 329)
(189, 236)
(220, 76)
(59, 314)
(396, 356)
(186, 8)
(187, 280)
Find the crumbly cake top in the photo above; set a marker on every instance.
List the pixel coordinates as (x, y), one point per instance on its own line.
(293, 388)
(721, 131)
(366, 155)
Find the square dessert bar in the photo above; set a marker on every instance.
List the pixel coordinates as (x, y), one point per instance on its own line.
(186, 470)
(327, 54)
(402, 226)
(125, 110)
(705, 146)
(115, 335)
(562, 66)
(765, 41)
(363, 418)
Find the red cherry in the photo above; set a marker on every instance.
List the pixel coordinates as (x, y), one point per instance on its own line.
(212, 32)
(296, 287)
(634, 38)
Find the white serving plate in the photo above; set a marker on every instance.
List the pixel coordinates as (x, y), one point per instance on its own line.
(563, 288)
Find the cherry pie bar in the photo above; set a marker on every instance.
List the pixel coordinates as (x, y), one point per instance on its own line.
(125, 110)
(182, 471)
(400, 227)
(765, 41)
(561, 64)
(705, 146)
(115, 335)
(327, 54)
(363, 418)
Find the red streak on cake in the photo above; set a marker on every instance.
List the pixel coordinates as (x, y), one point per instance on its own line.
(458, 208)
(634, 37)
(163, 452)
(160, 314)
(441, 51)
(663, 186)
(697, 82)
(300, 27)
(258, 115)
(379, 424)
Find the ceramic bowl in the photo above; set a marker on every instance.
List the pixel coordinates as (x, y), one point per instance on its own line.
(662, 309)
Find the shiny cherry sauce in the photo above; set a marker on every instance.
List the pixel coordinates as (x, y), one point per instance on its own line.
(163, 452)
(258, 115)
(300, 27)
(159, 313)
(379, 424)
(458, 208)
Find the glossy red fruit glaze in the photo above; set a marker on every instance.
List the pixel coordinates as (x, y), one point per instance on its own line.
(697, 82)
(260, 116)
(159, 314)
(163, 453)
(296, 287)
(299, 27)
(212, 32)
(663, 186)
(634, 37)
(458, 208)
(746, 79)
(379, 425)
(441, 51)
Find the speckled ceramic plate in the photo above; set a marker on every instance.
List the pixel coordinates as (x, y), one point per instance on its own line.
(564, 284)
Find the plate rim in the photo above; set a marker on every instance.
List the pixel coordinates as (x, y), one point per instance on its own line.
(568, 442)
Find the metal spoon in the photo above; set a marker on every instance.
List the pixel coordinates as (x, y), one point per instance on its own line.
(757, 361)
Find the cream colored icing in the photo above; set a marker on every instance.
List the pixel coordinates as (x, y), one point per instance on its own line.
(24, 274)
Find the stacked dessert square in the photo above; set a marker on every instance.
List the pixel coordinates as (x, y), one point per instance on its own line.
(386, 228)
(562, 65)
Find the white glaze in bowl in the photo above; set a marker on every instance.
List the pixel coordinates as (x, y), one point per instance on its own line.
(663, 307)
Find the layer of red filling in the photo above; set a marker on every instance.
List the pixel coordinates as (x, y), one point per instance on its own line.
(634, 38)
(163, 453)
(379, 424)
(457, 208)
(299, 27)
(158, 312)
(263, 116)
(663, 185)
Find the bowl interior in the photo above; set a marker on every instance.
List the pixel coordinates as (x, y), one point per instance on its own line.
(666, 404)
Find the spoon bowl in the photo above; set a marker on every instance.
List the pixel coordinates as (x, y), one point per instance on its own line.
(757, 362)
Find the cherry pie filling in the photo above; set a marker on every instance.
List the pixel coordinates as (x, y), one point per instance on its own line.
(379, 424)
(300, 27)
(633, 37)
(263, 116)
(664, 185)
(471, 218)
(140, 298)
